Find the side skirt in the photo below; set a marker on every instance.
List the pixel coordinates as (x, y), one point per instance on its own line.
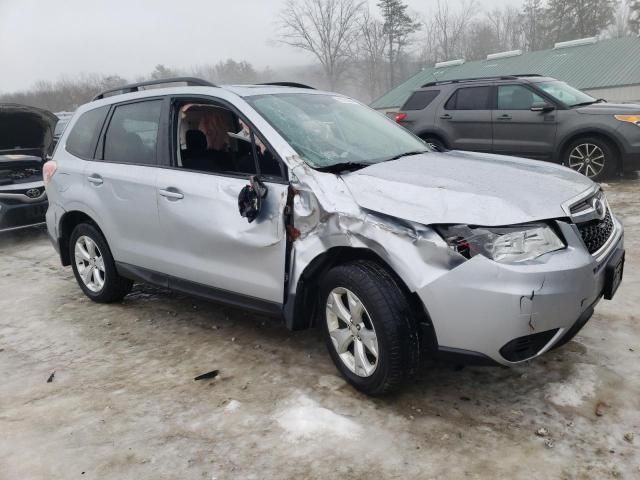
(205, 292)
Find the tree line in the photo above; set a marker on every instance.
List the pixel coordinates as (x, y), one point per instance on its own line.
(364, 51)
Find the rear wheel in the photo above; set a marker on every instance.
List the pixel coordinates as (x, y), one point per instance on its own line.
(369, 327)
(592, 157)
(93, 266)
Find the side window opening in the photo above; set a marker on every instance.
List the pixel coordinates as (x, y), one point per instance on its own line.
(212, 138)
(470, 98)
(83, 135)
(132, 134)
(516, 97)
(420, 100)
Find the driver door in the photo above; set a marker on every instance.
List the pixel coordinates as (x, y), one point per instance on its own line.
(207, 243)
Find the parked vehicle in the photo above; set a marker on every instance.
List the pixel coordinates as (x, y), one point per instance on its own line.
(25, 135)
(311, 206)
(529, 116)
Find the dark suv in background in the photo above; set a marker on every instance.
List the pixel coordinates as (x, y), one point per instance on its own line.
(528, 116)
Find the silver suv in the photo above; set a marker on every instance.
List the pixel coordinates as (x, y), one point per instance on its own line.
(310, 206)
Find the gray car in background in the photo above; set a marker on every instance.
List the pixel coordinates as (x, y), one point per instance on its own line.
(527, 116)
(312, 207)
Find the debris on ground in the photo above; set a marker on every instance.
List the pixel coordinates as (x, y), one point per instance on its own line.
(600, 408)
(629, 437)
(549, 443)
(542, 432)
(211, 374)
(50, 379)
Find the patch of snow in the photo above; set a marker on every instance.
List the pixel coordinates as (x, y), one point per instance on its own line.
(232, 406)
(305, 418)
(580, 386)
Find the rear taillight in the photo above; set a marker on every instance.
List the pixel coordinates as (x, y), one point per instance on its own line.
(48, 171)
(400, 117)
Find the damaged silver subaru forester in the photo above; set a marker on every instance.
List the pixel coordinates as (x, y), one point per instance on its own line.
(311, 206)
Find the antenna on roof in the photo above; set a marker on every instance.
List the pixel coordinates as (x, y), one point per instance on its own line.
(510, 53)
(576, 43)
(449, 63)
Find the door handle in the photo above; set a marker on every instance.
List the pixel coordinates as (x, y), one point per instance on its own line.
(172, 194)
(446, 116)
(95, 179)
(506, 116)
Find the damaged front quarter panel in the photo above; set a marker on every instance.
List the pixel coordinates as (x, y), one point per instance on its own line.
(328, 221)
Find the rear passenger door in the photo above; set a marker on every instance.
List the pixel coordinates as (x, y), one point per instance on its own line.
(121, 182)
(466, 117)
(519, 131)
(210, 249)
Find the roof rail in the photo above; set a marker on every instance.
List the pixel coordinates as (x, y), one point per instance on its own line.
(480, 79)
(288, 84)
(135, 87)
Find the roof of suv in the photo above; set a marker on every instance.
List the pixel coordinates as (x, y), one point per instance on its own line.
(135, 90)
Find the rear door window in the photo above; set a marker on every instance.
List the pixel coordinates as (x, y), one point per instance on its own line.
(420, 100)
(82, 139)
(132, 135)
(470, 98)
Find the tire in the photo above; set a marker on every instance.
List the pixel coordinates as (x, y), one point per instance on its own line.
(599, 158)
(386, 312)
(436, 144)
(104, 285)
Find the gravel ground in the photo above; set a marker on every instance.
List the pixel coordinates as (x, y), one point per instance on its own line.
(123, 403)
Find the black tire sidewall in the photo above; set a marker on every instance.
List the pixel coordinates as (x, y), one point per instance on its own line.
(388, 332)
(111, 285)
(610, 159)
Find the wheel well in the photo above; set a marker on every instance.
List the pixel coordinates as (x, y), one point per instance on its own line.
(68, 222)
(306, 308)
(436, 136)
(594, 134)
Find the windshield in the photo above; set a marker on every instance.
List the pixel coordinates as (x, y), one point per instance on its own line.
(566, 93)
(329, 130)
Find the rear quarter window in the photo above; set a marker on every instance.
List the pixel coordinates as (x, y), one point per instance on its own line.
(420, 100)
(81, 141)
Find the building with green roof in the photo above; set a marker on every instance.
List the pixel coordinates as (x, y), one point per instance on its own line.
(603, 68)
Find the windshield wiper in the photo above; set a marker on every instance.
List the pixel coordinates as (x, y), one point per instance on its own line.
(586, 104)
(343, 167)
(406, 154)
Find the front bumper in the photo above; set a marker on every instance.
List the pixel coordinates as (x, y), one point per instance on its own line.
(15, 215)
(512, 313)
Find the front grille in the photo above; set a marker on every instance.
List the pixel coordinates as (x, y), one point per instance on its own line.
(596, 232)
(526, 347)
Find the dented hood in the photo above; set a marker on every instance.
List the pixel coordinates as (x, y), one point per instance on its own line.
(466, 187)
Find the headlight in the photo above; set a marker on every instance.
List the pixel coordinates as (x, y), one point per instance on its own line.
(502, 244)
(635, 119)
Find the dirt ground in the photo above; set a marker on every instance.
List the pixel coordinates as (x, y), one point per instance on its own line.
(123, 403)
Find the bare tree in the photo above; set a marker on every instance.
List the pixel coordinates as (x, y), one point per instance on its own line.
(372, 44)
(534, 25)
(450, 27)
(325, 28)
(634, 16)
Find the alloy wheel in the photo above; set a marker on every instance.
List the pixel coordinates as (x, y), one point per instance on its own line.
(352, 332)
(588, 159)
(90, 263)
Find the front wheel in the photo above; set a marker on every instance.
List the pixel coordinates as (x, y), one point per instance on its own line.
(94, 267)
(592, 157)
(369, 327)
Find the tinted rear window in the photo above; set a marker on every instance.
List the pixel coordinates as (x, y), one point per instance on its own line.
(420, 100)
(82, 138)
(471, 98)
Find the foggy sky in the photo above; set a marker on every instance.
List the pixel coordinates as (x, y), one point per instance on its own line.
(46, 39)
